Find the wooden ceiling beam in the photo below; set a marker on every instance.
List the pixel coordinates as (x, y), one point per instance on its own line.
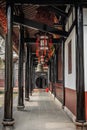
(38, 26)
(50, 2)
(33, 40)
(58, 11)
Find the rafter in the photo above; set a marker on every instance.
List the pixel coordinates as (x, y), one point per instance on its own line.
(51, 2)
(39, 26)
(33, 40)
(58, 11)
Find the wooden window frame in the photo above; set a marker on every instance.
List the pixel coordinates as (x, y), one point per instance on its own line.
(70, 57)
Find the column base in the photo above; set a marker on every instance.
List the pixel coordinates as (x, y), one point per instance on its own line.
(80, 123)
(30, 94)
(8, 122)
(20, 107)
(27, 99)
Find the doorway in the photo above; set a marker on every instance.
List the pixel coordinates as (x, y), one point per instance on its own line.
(41, 82)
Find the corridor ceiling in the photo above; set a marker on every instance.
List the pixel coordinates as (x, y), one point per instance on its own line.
(39, 16)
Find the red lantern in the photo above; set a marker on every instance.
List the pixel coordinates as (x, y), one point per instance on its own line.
(38, 59)
(44, 52)
(50, 43)
(45, 41)
(37, 53)
(37, 42)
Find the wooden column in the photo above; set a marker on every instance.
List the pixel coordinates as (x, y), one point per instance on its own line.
(49, 72)
(27, 75)
(20, 71)
(52, 73)
(30, 76)
(34, 74)
(48, 82)
(55, 72)
(55, 66)
(32, 80)
(80, 115)
(8, 98)
(63, 64)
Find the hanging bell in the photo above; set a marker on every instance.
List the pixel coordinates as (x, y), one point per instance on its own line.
(39, 68)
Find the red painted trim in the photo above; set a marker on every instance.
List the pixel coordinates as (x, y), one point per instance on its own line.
(70, 96)
(59, 91)
(50, 86)
(86, 104)
(70, 100)
(2, 83)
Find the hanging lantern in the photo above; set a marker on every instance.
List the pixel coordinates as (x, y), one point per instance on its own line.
(42, 59)
(39, 68)
(43, 42)
(37, 53)
(44, 48)
(50, 42)
(38, 59)
(45, 52)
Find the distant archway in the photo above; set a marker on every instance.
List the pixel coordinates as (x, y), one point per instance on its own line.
(41, 82)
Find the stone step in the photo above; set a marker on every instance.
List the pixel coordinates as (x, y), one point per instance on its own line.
(38, 90)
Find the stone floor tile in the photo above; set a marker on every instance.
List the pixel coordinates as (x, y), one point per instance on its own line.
(40, 113)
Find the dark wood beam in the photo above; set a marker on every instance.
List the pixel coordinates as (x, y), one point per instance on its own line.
(33, 40)
(58, 11)
(39, 26)
(50, 2)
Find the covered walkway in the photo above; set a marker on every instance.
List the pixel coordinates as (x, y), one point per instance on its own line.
(40, 113)
(49, 38)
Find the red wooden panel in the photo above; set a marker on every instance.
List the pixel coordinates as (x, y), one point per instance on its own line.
(70, 100)
(60, 68)
(86, 104)
(2, 83)
(59, 91)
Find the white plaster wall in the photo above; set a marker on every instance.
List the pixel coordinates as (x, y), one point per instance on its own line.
(85, 45)
(85, 56)
(85, 16)
(70, 20)
(70, 79)
(66, 27)
(73, 13)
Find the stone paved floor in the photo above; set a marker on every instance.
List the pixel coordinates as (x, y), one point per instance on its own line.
(41, 113)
